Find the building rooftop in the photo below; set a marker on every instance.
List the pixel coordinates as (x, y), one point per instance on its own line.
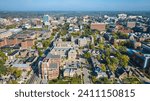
(53, 66)
(52, 56)
(13, 53)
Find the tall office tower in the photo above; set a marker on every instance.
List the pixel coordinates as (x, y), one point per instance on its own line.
(46, 18)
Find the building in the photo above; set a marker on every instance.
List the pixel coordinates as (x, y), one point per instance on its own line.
(95, 63)
(5, 34)
(10, 41)
(24, 67)
(69, 72)
(146, 48)
(98, 26)
(86, 19)
(46, 18)
(136, 45)
(122, 16)
(72, 54)
(61, 47)
(122, 29)
(13, 55)
(99, 73)
(82, 42)
(50, 67)
(27, 44)
(63, 44)
(141, 59)
(23, 53)
(131, 24)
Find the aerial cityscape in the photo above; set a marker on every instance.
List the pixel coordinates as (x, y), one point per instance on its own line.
(74, 46)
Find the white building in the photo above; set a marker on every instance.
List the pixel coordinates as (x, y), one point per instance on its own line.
(72, 54)
(82, 42)
(122, 16)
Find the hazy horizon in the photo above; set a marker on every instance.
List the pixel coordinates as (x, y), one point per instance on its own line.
(75, 5)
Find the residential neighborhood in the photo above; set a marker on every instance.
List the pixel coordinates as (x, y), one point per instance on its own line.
(83, 49)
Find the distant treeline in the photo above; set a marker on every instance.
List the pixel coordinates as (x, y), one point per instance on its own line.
(31, 14)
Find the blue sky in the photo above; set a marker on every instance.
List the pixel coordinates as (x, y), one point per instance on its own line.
(75, 5)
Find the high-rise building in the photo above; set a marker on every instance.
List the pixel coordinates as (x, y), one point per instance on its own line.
(46, 18)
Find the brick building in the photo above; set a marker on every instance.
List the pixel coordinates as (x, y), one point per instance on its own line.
(98, 26)
(9, 41)
(27, 44)
(50, 67)
(131, 24)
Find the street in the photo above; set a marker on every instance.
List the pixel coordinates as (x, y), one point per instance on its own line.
(86, 76)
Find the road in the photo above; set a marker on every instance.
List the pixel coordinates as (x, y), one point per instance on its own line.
(139, 74)
(34, 79)
(86, 76)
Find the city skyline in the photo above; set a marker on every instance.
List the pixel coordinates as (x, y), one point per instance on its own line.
(75, 5)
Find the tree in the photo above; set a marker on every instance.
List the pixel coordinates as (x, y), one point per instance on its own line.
(114, 61)
(98, 57)
(115, 36)
(103, 56)
(40, 52)
(12, 82)
(108, 60)
(95, 38)
(122, 49)
(3, 58)
(75, 34)
(113, 67)
(87, 55)
(11, 26)
(101, 46)
(17, 73)
(45, 43)
(91, 46)
(116, 45)
(3, 69)
(103, 67)
(107, 52)
(124, 59)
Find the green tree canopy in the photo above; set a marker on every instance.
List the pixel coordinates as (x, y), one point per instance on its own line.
(124, 59)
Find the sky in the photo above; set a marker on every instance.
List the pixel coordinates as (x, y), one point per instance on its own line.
(75, 5)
